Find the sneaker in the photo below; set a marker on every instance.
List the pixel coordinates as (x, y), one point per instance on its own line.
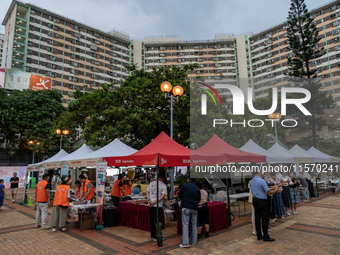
(63, 229)
(254, 232)
(47, 227)
(282, 217)
(207, 234)
(44, 227)
(296, 212)
(273, 220)
(288, 214)
(37, 226)
(54, 229)
(13, 201)
(154, 239)
(269, 230)
(184, 245)
(198, 237)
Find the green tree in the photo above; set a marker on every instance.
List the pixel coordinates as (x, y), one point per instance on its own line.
(29, 115)
(135, 111)
(304, 40)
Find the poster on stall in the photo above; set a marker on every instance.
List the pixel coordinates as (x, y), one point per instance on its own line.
(6, 173)
(2, 77)
(41, 173)
(64, 170)
(100, 181)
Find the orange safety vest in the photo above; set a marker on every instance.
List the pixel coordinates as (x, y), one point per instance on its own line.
(77, 191)
(86, 189)
(116, 192)
(60, 197)
(127, 189)
(41, 192)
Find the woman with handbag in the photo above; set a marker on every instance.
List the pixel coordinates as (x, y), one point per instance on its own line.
(203, 212)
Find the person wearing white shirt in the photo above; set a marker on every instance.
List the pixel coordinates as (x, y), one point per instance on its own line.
(151, 194)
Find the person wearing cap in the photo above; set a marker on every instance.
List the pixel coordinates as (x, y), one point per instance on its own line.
(42, 197)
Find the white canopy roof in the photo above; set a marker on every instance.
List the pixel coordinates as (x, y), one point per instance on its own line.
(54, 158)
(114, 149)
(77, 154)
(272, 157)
(302, 154)
(282, 154)
(322, 157)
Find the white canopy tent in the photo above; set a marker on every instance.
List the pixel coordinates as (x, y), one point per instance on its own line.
(282, 153)
(113, 149)
(322, 157)
(73, 158)
(272, 156)
(49, 163)
(302, 154)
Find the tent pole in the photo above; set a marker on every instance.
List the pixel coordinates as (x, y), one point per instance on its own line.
(228, 200)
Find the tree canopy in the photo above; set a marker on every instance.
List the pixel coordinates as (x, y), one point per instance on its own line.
(29, 115)
(135, 111)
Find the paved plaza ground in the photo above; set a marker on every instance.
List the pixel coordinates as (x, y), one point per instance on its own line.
(316, 230)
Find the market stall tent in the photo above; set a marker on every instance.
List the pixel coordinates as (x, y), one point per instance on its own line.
(50, 162)
(162, 151)
(272, 157)
(302, 154)
(114, 148)
(216, 146)
(283, 153)
(74, 156)
(322, 157)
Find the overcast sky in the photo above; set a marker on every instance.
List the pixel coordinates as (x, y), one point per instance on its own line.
(191, 19)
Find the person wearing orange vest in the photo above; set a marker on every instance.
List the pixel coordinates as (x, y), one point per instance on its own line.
(60, 205)
(78, 189)
(117, 191)
(86, 188)
(42, 197)
(127, 185)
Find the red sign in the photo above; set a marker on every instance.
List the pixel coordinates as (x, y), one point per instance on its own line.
(40, 82)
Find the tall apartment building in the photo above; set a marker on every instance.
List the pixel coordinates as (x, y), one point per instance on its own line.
(1, 48)
(217, 58)
(267, 53)
(73, 54)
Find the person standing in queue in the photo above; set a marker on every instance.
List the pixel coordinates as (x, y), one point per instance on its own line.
(260, 190)
(86, 188)
(127, 184)
(60, 205)
(42, 197)
(117, 191)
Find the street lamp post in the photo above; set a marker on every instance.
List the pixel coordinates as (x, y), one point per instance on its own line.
(177, 91)
(276, 117)
(61, 133)
(34, 144)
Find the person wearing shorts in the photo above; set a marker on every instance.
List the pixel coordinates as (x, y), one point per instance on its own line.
(14, 186)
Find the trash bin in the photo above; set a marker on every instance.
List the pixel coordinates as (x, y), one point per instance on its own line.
(33, 182)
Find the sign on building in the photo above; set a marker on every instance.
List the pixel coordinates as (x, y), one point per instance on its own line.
(40, 82)
(17, 79)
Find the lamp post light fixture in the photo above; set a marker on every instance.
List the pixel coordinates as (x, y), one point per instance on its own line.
(177, 91)
(276, 117)
(33, 144)
(61, 133)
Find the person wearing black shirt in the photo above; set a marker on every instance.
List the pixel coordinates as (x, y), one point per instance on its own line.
(14, 186)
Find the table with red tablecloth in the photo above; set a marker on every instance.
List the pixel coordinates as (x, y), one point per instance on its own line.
(135, 215)
(218, 217)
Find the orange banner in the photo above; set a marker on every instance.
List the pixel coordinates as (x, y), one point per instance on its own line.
(40, 82)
